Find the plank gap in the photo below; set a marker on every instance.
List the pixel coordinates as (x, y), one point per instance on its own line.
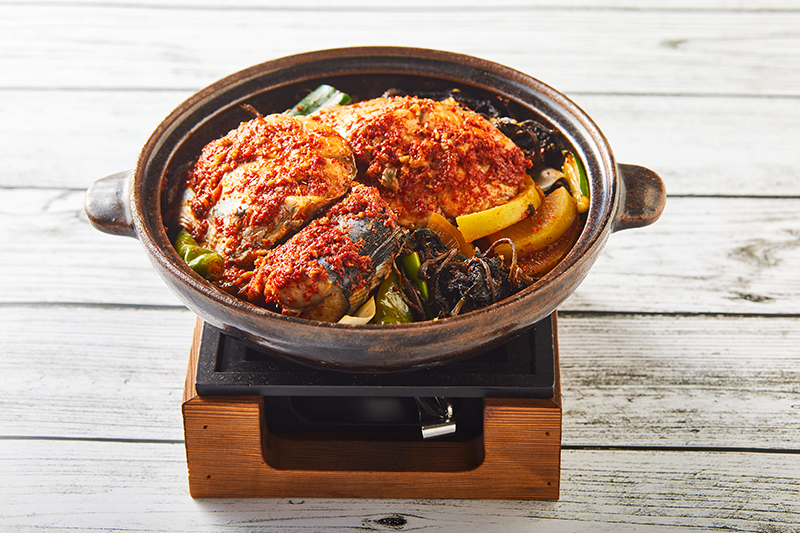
(709, 449)
(52, 438)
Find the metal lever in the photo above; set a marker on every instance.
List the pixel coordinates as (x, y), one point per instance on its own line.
(435, 417)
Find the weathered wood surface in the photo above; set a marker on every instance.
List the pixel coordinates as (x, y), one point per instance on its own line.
(673, 90)
(116, 372)
(680, 352)
(363, 5)
(138, 486)
(652, 51)
(701, 145)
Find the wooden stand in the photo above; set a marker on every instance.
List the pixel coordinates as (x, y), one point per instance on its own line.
(231, 453)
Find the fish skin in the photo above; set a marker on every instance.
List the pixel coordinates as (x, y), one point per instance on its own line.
(325, 286)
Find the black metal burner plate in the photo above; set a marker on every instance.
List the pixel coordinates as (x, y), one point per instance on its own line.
(524, 367)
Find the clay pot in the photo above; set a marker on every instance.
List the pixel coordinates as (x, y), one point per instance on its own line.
(129, 203)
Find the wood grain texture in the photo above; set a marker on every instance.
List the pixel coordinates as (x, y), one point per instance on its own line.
(603, 490)
(681, 381)
(407, 5)
(705, 255)
(679, 352)
(224, 447)
(92, 267)
(726, 52)
(639, 380)
(104, 372)
(700, 145)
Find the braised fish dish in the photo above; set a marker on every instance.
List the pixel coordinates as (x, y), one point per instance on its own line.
(389, 210)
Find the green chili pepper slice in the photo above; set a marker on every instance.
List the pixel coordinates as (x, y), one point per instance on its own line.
(205, 262)
(184, 242)
(209, 265)
(390, 308)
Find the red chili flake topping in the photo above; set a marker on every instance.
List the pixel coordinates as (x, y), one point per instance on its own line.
(267, 176)
(285, 160)
(293, 273)
(427, 156)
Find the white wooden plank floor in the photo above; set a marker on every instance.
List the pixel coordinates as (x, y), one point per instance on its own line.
(680, 353)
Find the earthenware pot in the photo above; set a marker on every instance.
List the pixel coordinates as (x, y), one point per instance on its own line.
(130, 203)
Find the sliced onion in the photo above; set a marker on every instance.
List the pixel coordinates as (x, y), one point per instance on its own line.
(547, 177)
(450, 235)
(364, 314)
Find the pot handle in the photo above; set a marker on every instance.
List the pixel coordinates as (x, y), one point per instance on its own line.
(107, 204)
(644, 197)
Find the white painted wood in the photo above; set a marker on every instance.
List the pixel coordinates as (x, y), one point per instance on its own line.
(709, 381)
(574, 50)
(117, 373)
(679, 352)
(142, 487)
(95, 371)
(320, 5)
(72, 138)
(705, 255)
(705, 145)
(699, 145)
(51, 244)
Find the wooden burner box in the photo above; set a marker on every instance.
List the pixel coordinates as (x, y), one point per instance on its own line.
(239, 443)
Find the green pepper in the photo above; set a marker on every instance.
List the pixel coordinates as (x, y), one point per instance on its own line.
(210, 265)
(390, 308)
(205, 262)
(184, 242)
(412, 264)
(322, 96)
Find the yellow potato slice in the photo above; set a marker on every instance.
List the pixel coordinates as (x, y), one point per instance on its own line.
(476, 225)
(551, 220)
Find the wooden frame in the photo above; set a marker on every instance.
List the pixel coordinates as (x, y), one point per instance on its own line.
(231, 453)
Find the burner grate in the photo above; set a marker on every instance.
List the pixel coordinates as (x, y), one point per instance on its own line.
(523, 367)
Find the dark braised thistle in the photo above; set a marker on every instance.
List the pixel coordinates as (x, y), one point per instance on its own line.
(459, 284)
(538, 142)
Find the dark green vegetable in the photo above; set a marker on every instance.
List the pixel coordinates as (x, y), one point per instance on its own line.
(390, 308)
(322, 96)
(584, 179)
(411, 264)
(205, 262)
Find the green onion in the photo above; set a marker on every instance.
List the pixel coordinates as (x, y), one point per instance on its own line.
(322, 96)
(576, 178)
(412, 264)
